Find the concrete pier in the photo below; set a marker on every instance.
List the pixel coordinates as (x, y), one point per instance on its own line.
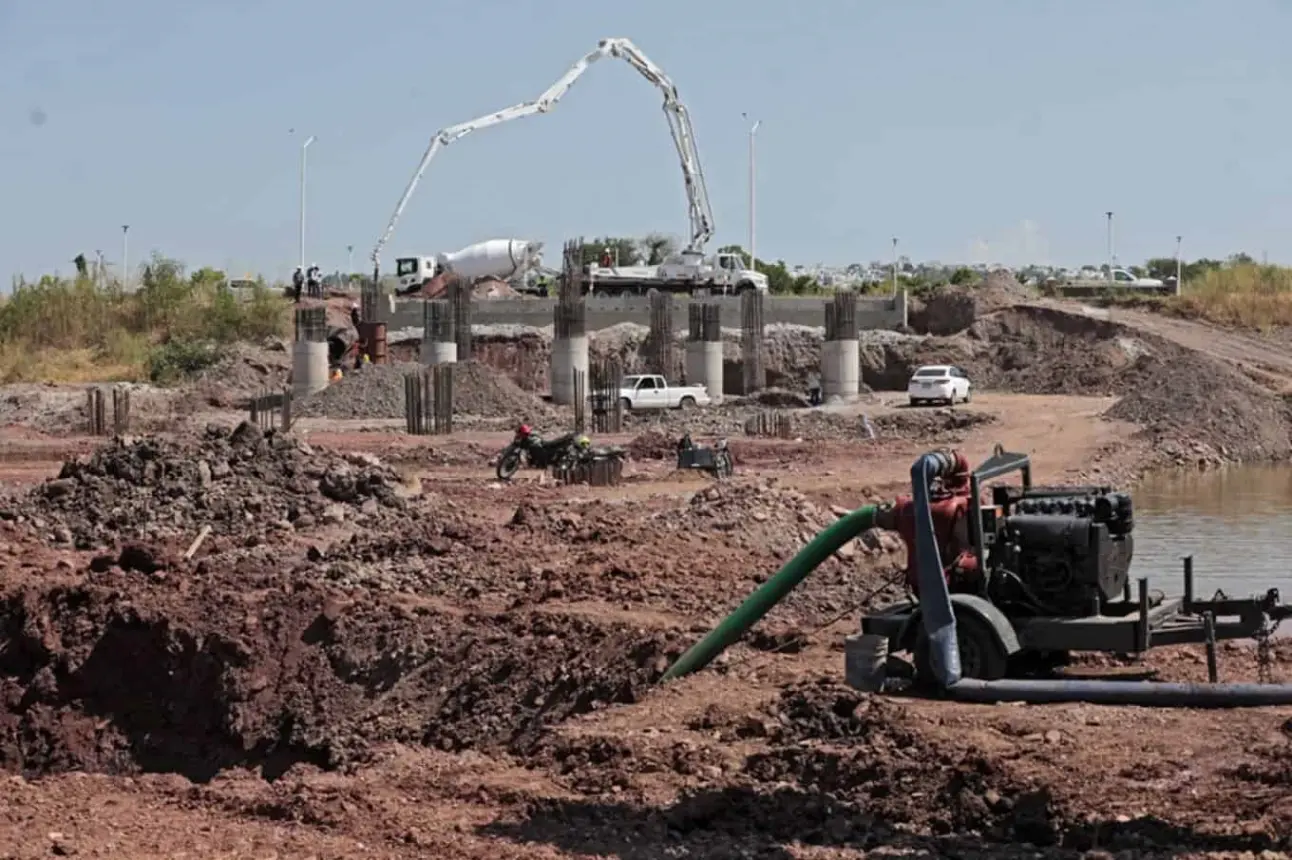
(439, 333)
(704, 349)
(841, 352)
(309, 352)
(569, 350)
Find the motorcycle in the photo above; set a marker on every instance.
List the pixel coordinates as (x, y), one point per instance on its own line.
(532, 450)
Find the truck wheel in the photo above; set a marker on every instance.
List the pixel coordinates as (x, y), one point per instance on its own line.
(744, 287)
(687, 402)
(981, 656)
(626, 404)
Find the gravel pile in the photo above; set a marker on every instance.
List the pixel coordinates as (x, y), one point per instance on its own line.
(241, 482)
(376, 391)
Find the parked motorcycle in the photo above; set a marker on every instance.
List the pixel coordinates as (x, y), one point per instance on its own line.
(531, 449)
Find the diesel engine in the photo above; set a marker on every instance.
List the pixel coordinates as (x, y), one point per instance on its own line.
(1062, 551)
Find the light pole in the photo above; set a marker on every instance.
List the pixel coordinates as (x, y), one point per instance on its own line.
(1179, 283)
(894, 265)
(125, 257)
(1111, 256)
(349, 261)
(304, 146)
(753, 249)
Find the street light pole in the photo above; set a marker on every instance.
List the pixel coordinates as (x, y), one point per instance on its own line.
(753, 248)
(1178, 267)
(349, 261)
(894, 265)
(125, 257)
(305, 146)
(1111, 256)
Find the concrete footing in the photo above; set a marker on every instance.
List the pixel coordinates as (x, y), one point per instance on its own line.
(309, 367)
(439, 352)
(704, 367)
(841, 369)
(568, 355)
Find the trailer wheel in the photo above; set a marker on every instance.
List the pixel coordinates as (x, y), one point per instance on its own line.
(981, 656)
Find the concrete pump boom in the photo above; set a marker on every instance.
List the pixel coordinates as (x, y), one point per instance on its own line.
(679, 123)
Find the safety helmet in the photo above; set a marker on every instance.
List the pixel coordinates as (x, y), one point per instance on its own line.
(584, 441)
(354, 306)
(523, 430)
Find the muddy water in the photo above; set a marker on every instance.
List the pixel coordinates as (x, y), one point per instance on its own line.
(1237, 524)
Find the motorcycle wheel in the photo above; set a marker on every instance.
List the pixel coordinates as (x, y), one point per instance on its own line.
(508, 464)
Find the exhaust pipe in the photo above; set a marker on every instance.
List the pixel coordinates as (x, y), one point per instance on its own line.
(944, 652)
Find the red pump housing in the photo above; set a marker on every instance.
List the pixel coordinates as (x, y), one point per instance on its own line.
(950, 507)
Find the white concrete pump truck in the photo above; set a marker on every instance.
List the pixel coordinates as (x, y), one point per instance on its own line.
(684, 271)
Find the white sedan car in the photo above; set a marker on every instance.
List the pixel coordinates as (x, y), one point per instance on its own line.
(939, 382)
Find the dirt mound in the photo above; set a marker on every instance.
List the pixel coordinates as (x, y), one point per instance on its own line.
(1197, 410)
(241, 481)
(931, 425)
(653, 445)
(376, 391)
(196, 680)
(243, 372)
(751, 513)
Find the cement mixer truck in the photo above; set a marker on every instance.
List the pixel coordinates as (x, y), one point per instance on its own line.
(685, 270)
(504, 259)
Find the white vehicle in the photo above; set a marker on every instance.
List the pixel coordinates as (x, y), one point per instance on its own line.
(721, 273)
(688, 266)
(651, 391)
(944, 383)
(503, 259)
(1126, 278)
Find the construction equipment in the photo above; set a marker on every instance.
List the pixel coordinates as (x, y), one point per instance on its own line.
(716, 461)
(691, 259)
(504, 259)
(1038, 572)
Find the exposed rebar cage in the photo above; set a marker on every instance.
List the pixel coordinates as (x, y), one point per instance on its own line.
(606, 378)
(459, 295)
(751, 342)
(97, 411)
(599, 472)
(369, 294)
(704, 322)
(571, 285)
(311, 324)
(428, 401)
(841, 317)
(438, 322)
(660, 356)
(774, 424)
(580, 401)
(271, 410)
(569, 319)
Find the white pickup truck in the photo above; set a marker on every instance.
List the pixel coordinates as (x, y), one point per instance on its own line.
(651, 391)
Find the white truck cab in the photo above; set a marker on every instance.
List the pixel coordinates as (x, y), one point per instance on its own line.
(414, 271)
(1126, 278)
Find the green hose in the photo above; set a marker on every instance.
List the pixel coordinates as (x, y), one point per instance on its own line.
(772, 592)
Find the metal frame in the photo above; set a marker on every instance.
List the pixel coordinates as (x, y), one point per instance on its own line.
(1132, 625)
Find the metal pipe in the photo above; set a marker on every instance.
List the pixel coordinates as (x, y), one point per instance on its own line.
(773, 591)
(944, 651)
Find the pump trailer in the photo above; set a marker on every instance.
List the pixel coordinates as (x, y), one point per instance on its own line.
(1042, 571)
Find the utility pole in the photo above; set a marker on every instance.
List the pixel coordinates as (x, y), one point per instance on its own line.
(349, 261)
(125, 257)
(894, 265)
(98, 269)
(1111, 255)
(753, 248)
(305, 146)
(1179, 281)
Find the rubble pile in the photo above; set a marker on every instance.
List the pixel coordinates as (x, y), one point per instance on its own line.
(749, 513)
(376, 391)
(234, 481)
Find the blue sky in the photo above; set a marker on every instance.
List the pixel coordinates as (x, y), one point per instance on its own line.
(996, 130)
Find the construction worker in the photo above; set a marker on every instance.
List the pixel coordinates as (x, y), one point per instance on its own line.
(298, 284)
(354, 316)
(607, 261)
(814, 388)
(314, 281)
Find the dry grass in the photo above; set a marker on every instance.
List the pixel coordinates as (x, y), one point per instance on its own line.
(1246, 295)
(58, 330)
